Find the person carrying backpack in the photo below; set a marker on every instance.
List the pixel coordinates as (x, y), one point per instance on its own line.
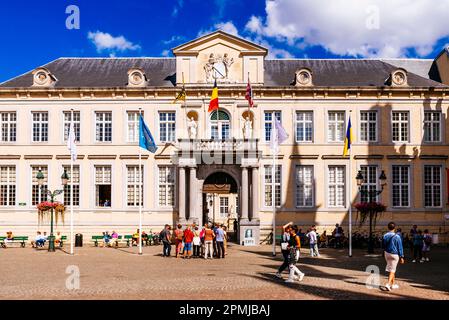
(426, 247)
(179, 235)
(165, 237)
(285, 252)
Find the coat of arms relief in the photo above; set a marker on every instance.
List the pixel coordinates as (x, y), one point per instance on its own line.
(217, 68)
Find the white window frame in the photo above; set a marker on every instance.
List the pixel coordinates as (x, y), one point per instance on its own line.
(277, 185)
(134, 124)
(304, 122)
(135, 185)
(10, 124)
(432, 122)
(167, 185)
(336, 123)
(9, 202)
(74, 183)
(76, 125)
(335, 185)
(371, 182)
(400, 122)
(269, 123)
(96, 204)
(103, 122)
(401, 184)
(432, 185)
(41, 191)
(310, 185)
(368, 122)
(220, 125)
(224, 206)
(40, 124)
(165, 124)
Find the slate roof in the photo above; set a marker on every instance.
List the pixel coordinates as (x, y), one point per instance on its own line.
(112, 72)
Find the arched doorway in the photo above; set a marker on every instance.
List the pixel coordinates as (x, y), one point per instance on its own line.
(221, 201)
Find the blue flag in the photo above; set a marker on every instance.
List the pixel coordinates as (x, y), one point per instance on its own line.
(146, 140)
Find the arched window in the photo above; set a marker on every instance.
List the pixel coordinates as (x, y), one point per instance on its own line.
(220, 125)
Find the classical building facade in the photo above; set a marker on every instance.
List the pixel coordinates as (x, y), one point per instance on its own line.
(218, 166)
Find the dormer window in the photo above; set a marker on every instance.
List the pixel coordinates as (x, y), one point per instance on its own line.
(399, 77)
(137, 78)
(43, 78)
(303, 78)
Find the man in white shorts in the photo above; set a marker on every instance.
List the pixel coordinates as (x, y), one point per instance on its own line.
(393, 253)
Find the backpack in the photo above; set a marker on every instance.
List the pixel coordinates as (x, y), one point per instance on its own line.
(162, 235)
(428, 240)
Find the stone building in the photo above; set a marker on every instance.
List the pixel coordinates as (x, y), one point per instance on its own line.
(206, 167)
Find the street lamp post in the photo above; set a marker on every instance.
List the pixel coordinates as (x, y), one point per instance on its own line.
(371, 196)
(40, 179)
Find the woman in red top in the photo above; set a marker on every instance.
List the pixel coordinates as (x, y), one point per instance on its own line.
(188, 239)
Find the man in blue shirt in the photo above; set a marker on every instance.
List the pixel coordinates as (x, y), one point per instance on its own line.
(220, 242)
(393, 253)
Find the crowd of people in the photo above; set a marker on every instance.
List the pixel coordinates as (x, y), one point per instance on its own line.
(191, 242)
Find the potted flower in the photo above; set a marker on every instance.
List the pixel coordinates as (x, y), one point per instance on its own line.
(372, 211)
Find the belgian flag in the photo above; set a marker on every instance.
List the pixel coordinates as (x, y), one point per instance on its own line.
(213, 105)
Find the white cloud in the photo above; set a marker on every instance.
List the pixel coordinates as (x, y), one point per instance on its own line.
(179, 5)
(165, 53)
(106, 42)
(356, 27)
(173, 39)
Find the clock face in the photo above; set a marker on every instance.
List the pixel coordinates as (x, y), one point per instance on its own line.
(399, 78)
(41, 77)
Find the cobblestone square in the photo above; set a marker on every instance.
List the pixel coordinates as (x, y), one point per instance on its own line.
(246, 273)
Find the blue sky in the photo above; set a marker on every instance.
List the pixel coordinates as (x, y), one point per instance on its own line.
(33, 33)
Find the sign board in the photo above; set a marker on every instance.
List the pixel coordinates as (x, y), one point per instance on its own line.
(217, 188)
(249, 239)
(22, 204)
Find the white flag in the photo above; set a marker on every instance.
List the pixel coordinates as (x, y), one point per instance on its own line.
(71, 142)
(278, 135)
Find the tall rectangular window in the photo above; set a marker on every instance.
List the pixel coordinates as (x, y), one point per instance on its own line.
(103, 126)
(40, 126)
(336, 186)
(268, 185)
(166, 186)
(76, 124)
(224, 207)
(132, 126)
(8, 126)
(400, 126)
(268, 122)
(7, 186)
(432, 126)
(167, 126)
(38, 193)
(304, 126)
(432, 186)
(370, 183)
(336, 126)
(133, 186)
(401, 186)
(103, 186)
(368, 126)
(75, 181)
(304, 186)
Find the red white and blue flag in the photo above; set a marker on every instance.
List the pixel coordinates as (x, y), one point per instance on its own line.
(249, 94)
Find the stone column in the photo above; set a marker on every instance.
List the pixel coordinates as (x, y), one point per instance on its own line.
(245, 191)
(182, 194)
(255, 193)
(193, 214)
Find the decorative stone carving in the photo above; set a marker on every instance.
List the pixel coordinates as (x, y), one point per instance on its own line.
(303, 77)
(137, 78)
(43, 78)
(218, 68)
(192, 128)
(399, 77)
(248, 129)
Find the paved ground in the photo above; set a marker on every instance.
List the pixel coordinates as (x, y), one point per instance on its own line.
(246, 273)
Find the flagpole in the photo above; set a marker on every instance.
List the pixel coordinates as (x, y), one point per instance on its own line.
(71, 186)
(349, 195)
(273, 180)
(140, 190)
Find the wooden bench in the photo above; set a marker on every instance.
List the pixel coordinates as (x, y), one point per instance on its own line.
(121, 239)
(19, 239)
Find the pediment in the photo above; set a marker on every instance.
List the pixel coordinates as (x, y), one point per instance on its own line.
(220, 38)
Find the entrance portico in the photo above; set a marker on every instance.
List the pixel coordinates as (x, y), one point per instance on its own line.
(197, 177)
